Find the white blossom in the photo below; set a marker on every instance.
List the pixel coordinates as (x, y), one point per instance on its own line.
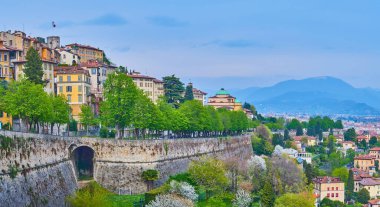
(256, 162)
(184, 189)
(170, 200)
(243, 199)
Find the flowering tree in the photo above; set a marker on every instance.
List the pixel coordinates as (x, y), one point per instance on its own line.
(184, 189)
(243, 199)
(170, 200)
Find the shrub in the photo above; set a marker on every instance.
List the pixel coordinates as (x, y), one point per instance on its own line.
(91, 195)
(13, 171)
(183, 177)
(184, 189)
(112, 133)
(151, 195)
(170, 200)
(103, 132)
(242, 199)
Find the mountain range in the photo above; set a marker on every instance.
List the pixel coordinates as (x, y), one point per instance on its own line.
(317, 95)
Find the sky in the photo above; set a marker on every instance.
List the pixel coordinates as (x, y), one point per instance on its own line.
(218, 43)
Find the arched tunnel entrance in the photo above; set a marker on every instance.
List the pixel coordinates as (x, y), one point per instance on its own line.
(83, 160)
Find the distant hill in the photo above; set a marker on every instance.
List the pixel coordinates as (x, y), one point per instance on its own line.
(319, 95)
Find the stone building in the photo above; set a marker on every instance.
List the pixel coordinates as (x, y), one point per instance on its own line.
(68, 57)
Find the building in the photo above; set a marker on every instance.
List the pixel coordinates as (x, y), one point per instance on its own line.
(358, 176)
(223, 99)
(305, 156)
(363, 137)
(375, 151)
(68, 58)
(372, 185)
(86, 52)
(306, 140)
(200, 96)
(74, 83)
(152, 87)
(364, 162)
(328, 187)
(53, 42)
(374, 203)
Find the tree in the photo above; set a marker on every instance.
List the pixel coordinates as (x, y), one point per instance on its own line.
(294, 124)
(342, 173)
(278, 139)
(308, 172)
(326, 202)
(174, 89)
(120, 95)
(267, 194)
(350, 185)
(286, 135)
(61, 111)
(299, 131)
(363, 144)
(304, 199)
(86, 117)
(363, 196)
(338, 124)
(209, 173)
(372, 141)
(350, 135)
(33, 67)
(264, 132)
(189, 92)
(150, 176)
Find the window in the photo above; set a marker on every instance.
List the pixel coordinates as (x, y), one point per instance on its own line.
(79, 88)
(5, 57)
(336, 195)
(79, 77)
(60, 79)
(328, 195)
(332, 195)
(332, 188)
(64, 56)
(141, 84)
(1, 54)
(328, 188)
(60, 89)
(69, 98)
(336, 188)
(68, 78)
(80, 98)
(69, 89)
(93, 71)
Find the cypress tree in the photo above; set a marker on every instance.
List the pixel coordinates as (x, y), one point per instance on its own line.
(267, 194)
(350, 185)
(299, 131)
(189, 92)
(286, 135)
(33, 67)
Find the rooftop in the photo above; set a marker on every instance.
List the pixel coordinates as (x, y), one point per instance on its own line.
(70, 70)
(364, 157)
(222, 92)
(369, 182)
(327, 179)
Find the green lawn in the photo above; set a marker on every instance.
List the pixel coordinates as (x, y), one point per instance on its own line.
(125, 200)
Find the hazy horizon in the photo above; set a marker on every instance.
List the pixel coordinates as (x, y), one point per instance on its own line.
(254, 43)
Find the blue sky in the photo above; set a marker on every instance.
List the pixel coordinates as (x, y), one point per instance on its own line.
(217, 42)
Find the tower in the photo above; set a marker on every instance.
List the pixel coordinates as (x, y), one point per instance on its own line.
(53, 42)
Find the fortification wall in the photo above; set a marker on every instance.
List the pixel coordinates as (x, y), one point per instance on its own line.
(46, 173)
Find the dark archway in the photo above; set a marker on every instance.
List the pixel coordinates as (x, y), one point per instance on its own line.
(83, 160)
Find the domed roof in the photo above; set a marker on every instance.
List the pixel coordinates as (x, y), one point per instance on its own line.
(222, 92)
(237, 101)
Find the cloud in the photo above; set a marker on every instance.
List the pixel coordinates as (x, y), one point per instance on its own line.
(106, 20)
(165, 21)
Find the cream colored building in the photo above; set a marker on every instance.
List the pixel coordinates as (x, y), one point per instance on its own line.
(86, 52)
(68, 57)
(200, 96)
(307, 140)
(152, 87)
(328, 187)
(223, 99)
(364, 162)
(372, 185)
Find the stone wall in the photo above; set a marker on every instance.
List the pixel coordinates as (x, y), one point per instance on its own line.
(46, 173)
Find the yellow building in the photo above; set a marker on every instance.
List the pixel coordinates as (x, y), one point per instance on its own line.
(372, 185)
(86, 52)
(223, 99)
(328, 187)
(364, 162)
(306, 140)
(74, 83)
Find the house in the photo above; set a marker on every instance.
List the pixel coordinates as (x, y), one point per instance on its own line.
(73, 83)
(363, 137)
(375, 151)
(86, 52)
(6, 74)
(223, 99)
(372, 185)
(358, 176)
(374, 203)
(200, 96)
(306, 140)
(152, 87)
(364, 162)
(328, 187)
(348, 145)
(305, 156)
(68, 57)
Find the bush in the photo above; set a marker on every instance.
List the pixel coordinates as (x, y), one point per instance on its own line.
(92, 195)
(151, 195)
(111, 134)
(184, 189)
(183, 177)
(103, 133)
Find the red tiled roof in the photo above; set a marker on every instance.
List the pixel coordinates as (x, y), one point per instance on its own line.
(374, 202)
(92, 64)
(71, 70)
(327, 179)
(299, 138)
(199, 91)
(364, 157)
(375, 149)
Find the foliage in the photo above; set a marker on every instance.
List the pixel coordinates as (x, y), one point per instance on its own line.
(372, 141)
(267, 194)
(170, 200)
(184, 189)
(189, 93)
(150, 176)
(363, 196)
(350, 135)
(261, 146)
(183, 177)
(33, 67)
(209, 173)
(350, 185)
(263, 131)
(151, 195)
(341, 172)
(73, 125)
(86, 116)
(329, 203)
(242, 199)
(304, 199)
(173, 88)
(13, 170)
(92, 195)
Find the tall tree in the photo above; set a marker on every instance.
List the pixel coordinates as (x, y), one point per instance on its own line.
(350, 135)
(267, 194)
(174, 89)
(350, 185)
(299, 131)
(86, 117)
(120, 95)
(189, 92)
(61, 112)
(286, 135)
(363, 196)
(150, 176)
(33, 67)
